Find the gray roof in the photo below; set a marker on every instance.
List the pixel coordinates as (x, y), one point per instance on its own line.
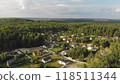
(11, 61)
(35, 52)
(46, 59)
(73, 44)
(65, 61)
(66, 51)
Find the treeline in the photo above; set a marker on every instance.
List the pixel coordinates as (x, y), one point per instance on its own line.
(110, 57)
(16, 33)
(95, 28)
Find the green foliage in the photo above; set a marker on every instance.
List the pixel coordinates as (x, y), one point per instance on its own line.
(105, 43)
(65, 45)
(17, 33)
(42, 65)
(78, 52)
(16, 57)
(110, 61)
(3, 56)
(96, 42)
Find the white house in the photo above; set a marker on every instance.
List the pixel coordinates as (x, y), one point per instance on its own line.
(61, 36)
(64, 39)
(18, 51)
(44, 46)
(90, 47)
(67, 41)
(65, 52)
(28, 51)
(73, 45)
(46, 60)
(85, 45)
(91, 38)
(63, 61)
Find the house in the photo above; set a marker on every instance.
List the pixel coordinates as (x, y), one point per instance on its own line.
(53, 36)
(9, 62)
(106, 37)
(53, 41)
(90, 47)
(73, 45)
(91, 38)
(58, 39)
(37, 52)
(116, 37)
(72, 35)
(61, 36)
(64, 61)
(28, 51)
(42, 34)
(65, 52)
(74, 40)
(64, 39)
(67, 41)
(85, 45)
(46, 60)
(17, 51)
(82, 33)
(44, 46)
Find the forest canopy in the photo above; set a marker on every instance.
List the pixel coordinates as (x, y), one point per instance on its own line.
(17, 33)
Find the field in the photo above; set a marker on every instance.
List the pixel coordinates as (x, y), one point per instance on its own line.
(54, 63)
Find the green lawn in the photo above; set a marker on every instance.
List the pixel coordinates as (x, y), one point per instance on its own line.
(57, 49)
(27, 65)
(53, 64)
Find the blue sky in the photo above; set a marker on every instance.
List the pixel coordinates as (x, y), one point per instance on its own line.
(61, 8)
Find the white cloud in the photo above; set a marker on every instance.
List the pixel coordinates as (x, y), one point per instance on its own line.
(79, 0)
(24, 3)
(56, 9)
(117, 10)
(61, 5)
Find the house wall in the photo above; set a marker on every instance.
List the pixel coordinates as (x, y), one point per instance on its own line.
(7, 64)
(60, 62)
(33, 54)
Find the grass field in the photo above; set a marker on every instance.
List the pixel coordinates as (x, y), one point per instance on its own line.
(57, 49)
(53, 64)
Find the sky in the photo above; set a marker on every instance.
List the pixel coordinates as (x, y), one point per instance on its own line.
(109, 9)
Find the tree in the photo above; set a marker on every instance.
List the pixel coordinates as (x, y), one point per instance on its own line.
(105, 44)
(96, 42)
(15, 57)
(78, 53)
(65, 45)
(3, 56)
(26, 52)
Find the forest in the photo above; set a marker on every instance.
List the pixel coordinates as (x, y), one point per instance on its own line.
(23, 33)
(17, 33)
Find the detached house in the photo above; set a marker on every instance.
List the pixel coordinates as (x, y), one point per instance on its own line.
(37, 52)
(58, 39)
(46, 60)
(64, 61)
(73, 45)
(116, 37)
(90, 47)
(65, 52)
(9, 62)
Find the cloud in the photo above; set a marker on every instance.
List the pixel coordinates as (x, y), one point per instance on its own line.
(56, 9)
(61, 5)
(117, 10)
(24, 3)
(79, 0)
